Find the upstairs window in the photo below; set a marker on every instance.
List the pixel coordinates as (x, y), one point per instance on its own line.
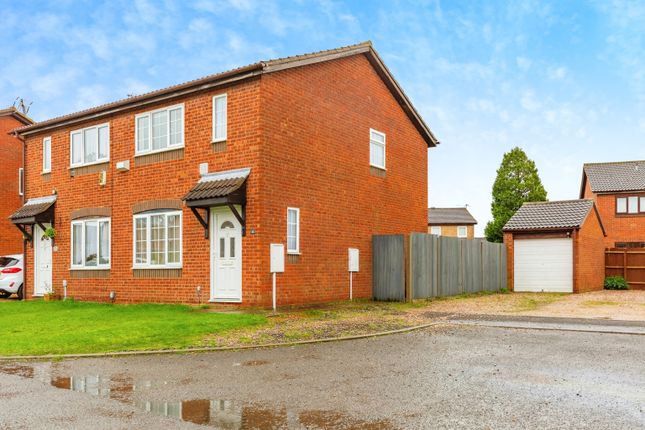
(21, 181)
(47, 155)
(159, 130)
(630, 205)
(462, 231)
(377, 149)
(91, 244)
(219, 118)
(293, 231)
(90, 145)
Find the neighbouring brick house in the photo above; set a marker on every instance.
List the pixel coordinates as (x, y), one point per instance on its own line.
(618, 189)
(555, 246)
(177, 194)
(11, 178)
(452, 222)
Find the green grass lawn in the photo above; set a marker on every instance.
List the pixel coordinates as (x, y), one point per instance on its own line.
(38, 327)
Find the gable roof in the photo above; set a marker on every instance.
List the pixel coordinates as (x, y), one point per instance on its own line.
(241, 73)
(554, 215)
(450, 216)
(19, 116)
(614, 177)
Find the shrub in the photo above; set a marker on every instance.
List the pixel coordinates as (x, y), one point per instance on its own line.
(616, 283)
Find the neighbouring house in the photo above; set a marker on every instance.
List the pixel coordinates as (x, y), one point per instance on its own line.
(453, 222)
(176, 195)
(11, 178)
(618, 189)
(556, 247)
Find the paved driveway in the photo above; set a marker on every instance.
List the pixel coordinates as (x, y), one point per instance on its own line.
(448, 377)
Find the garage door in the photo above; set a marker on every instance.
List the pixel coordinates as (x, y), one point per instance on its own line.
(544, 265)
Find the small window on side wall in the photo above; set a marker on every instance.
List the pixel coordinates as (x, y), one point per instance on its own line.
(621, 205)
(21, 181)
(436, 230)
(219, 118)
(47, 155)
(462, 231)
(377, 149)
(293, 231)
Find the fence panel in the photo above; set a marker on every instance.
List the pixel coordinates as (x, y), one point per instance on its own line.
(472, 267)
(628, 263)
(388, 267)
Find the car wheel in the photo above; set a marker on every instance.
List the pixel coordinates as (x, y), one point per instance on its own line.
(4, 294)
(21, 292)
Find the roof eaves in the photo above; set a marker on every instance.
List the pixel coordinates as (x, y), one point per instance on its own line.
(19, 116)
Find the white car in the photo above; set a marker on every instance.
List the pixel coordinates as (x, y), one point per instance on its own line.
(11, 276)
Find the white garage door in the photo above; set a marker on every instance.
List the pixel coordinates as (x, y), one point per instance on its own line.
(544, 265)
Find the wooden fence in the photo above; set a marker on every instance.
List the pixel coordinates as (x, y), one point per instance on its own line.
(628, 263)
(434, 266)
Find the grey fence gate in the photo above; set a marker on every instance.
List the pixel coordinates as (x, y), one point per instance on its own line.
(388, 267)
(438, 266)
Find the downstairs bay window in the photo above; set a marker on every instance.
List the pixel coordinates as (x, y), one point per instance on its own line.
(157, 240)
(91, 243)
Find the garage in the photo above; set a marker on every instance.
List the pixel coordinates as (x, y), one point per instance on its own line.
(555, 247)
(544, 265)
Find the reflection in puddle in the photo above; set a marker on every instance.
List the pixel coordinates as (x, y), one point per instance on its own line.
(223, 414)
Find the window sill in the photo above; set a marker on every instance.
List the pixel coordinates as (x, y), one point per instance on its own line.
(45, 172)
(378, 167)
(78, 166)
(81, 269)
(218, 140)
(294, 253)
(157, 151)
(157, 267)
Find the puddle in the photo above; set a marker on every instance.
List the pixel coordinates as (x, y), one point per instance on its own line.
(221, 414)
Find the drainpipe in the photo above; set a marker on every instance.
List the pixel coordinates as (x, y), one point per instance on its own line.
(24, 192)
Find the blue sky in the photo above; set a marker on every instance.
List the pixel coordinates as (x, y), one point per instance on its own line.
(563, 80)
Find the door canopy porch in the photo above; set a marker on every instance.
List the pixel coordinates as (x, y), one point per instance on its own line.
(39, 210)
(227, 188)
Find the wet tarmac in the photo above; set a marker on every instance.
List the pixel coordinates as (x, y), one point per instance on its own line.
(451, 377)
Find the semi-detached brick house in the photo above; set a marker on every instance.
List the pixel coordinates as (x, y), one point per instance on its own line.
(156, 195)
(618, 189)
(11, 178)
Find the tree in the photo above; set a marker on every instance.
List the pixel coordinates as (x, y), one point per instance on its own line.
(517, 182)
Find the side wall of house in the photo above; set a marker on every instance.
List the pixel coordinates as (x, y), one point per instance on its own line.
(451, 230)
(10, 199)
(619, 228)
(316, 150)
(590, 256)
(163, 176)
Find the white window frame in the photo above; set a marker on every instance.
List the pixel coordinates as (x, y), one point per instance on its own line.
(82, 131)
(21, 181)
(147, 216)
(434, 229)
(220, 139)
(465, 235)
(618, 211)
(296, 250)
(82, 222)
(632, 204)
(47, 156)
(149, 114)
(642, 204)
(375, 142)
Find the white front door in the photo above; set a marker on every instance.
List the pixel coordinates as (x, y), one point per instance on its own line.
(42, 262)
(543, 265)
(226, 256)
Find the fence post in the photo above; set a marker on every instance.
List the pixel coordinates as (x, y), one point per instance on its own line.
(625, 264)
(407, 248)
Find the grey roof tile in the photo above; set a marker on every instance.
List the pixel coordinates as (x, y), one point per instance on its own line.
(546, 215)
(450, 216)
(617, 176)
(33, 207)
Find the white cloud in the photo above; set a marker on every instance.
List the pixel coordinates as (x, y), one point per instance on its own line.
(523, 63)
(557, 73)
(529, 102)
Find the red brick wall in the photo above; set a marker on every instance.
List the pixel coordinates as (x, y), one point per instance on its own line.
(10, 200)
(305, 134)
(316, 123)
(510, 260)
(589, 256)
(162, 180)
(619, 228)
